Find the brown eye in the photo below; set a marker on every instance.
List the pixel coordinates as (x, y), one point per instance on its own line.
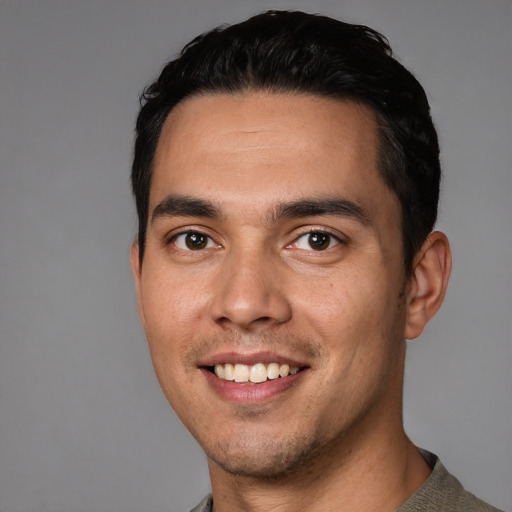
(195, 241)
(319, 241)
(316, 241)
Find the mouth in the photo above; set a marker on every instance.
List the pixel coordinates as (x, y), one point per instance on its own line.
(253, 374)
(252, 378)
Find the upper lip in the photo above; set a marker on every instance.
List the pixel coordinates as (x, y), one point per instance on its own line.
(249, 359)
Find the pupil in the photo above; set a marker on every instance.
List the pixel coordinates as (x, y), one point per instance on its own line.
(196, 241)
(319, 241)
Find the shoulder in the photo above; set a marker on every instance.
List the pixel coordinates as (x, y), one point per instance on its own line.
(443, 492)
(205, 505)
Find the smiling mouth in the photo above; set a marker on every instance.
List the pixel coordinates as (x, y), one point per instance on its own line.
(253, 374)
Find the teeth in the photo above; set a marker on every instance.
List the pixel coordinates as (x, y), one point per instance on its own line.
(219, 371)
(241, 373)
(229, 372)
(256, 373)
(273, 371)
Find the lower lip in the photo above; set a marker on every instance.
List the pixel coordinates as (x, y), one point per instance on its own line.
(252, 393)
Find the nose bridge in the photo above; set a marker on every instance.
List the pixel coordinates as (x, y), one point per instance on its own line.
(249, 293)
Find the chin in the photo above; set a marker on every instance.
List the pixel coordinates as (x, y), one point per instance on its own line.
(268, 459)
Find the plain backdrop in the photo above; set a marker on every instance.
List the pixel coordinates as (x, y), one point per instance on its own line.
(83, 424)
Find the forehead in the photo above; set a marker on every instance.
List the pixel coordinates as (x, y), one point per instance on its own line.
(249, 147)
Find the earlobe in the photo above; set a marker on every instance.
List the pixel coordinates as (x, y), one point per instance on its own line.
(134, 258)
(136, 269)
(428, 283)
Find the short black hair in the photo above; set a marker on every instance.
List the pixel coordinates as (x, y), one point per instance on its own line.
(295, 52)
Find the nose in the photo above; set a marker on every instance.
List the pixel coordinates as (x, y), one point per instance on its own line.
(250, 295)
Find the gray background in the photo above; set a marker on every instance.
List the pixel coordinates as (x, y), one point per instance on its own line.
(83, 424)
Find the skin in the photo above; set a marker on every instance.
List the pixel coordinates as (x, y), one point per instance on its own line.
(334, 439)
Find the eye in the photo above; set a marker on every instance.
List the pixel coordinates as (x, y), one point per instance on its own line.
(193, 241)
(316, 241)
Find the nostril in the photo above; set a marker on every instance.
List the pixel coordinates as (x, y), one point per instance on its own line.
(250, 323)
(223, 321)
(248, 307)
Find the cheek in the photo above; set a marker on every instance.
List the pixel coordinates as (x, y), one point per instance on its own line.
(351, 311)
(169, 309)
(338, 301)
(172, 309)
(172, 302)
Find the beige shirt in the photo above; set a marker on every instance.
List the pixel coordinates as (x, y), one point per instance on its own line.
(441, 492)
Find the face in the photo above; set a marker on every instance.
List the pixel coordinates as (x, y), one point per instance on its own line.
(273, 245)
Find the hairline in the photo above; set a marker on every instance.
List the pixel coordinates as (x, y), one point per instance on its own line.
(383, 131)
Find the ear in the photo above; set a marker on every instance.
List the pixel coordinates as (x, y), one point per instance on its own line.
(428, 283)
(137, 277)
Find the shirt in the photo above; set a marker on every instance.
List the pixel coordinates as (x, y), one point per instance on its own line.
(441, 492)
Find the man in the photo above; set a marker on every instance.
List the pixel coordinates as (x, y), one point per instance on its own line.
(286, 175)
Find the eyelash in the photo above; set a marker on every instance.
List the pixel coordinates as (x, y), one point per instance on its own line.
(192, 232)
(323, 233)
(332, 239)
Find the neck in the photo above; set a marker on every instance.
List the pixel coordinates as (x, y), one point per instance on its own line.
(378, 476)
(371, 467)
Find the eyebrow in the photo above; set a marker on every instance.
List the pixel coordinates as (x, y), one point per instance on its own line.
(175, 205)
(308, 207)
(185, 206)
